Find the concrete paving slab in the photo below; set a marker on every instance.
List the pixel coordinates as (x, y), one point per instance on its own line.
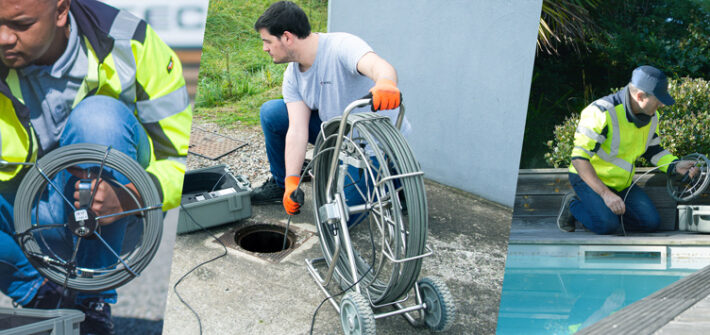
(240, 293)
(548, 233)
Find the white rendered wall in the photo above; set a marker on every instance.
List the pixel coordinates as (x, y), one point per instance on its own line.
(464, 69)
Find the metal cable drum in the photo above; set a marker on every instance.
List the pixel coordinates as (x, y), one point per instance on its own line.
(61, 271)
(371, 138)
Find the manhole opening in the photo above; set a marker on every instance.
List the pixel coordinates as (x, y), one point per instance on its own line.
(263, 238)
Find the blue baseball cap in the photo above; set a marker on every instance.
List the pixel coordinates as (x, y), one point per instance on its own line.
(652, 81)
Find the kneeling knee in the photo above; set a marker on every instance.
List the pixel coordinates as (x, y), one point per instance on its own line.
(273, 114)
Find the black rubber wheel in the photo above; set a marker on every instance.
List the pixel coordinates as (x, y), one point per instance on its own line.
(440, 310)
(356, 315)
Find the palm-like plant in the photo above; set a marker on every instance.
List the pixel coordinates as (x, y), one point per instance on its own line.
(564, 21)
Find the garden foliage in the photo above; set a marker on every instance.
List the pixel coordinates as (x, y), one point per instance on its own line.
(684, 127)
(673, 35)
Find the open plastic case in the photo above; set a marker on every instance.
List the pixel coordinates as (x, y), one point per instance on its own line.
(213, 196)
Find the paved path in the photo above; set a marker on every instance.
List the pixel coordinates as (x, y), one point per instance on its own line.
(241, 293)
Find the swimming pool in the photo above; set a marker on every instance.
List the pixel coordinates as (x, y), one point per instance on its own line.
(560, 289)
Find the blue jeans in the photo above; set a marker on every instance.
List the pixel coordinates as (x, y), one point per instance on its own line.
(274, 122)
(589, 209)
(100, 120)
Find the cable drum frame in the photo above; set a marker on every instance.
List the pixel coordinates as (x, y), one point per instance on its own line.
(403, 240)
(688, 188)
(65, 272)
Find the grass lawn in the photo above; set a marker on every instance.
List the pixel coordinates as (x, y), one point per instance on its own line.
(236, 76)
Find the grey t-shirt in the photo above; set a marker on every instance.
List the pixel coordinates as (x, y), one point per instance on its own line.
(332, 82)
(49, 90)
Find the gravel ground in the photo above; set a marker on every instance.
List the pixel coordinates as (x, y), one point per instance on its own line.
(249, 160)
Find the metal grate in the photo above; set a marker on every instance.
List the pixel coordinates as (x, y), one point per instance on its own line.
(211, 145)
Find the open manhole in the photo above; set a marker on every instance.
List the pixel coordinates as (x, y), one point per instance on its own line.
(265, 240)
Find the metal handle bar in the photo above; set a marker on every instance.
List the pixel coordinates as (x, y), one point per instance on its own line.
(341, 133)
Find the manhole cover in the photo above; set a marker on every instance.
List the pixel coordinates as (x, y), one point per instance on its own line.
(212, 145)
(265, 240)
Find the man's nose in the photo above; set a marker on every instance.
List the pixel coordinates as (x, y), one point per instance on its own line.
(7, 36)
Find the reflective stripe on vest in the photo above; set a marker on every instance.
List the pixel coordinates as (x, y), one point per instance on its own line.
(154, 110)
(615, 139)
(657, 157)
(91, 81)
(599, 138)
(122, 30)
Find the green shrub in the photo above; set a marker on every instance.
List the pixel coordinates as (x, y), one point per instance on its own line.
(684, 127)
(673, 35)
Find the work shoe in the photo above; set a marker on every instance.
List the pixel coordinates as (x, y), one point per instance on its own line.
(97, 317)
(48, 296)
(565, 219)
(269, 192)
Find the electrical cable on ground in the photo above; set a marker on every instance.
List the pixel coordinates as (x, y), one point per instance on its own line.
(199, 321)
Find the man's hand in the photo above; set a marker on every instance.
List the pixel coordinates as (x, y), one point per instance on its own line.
(614, 202)
(293, 197)
(683, 167)
(107, 199)
(385, 95)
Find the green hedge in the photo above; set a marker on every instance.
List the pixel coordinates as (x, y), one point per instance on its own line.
(684, 127)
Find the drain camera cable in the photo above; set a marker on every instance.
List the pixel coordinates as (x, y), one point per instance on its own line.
(58, 271)
(300, 180)
(621, 217)
(372, 242)
(392, 149)
(199, 321)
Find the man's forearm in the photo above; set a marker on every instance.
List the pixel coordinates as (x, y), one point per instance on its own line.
(586, 172)
(295, 154)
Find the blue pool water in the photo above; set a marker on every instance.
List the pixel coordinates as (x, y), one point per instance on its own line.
(562, 289)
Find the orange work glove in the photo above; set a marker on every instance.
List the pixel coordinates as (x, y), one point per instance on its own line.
(293, 197)
(385, 95)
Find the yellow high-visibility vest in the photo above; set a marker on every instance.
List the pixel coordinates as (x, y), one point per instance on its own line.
(612, 143)
(129, 62)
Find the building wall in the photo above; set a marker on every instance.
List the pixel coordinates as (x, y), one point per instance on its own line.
(464, 69)
(180, 23)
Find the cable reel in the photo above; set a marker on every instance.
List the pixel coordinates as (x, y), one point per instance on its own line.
(685, 188)
(73, 246)
(372, 220)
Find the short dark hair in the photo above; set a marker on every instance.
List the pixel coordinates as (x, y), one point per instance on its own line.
(284, 16)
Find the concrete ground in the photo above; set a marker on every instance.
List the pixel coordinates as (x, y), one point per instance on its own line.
(546, 232)
(242, 293)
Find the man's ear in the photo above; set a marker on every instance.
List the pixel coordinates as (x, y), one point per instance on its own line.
(63, 12)
(287, 37)
(640, 95)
